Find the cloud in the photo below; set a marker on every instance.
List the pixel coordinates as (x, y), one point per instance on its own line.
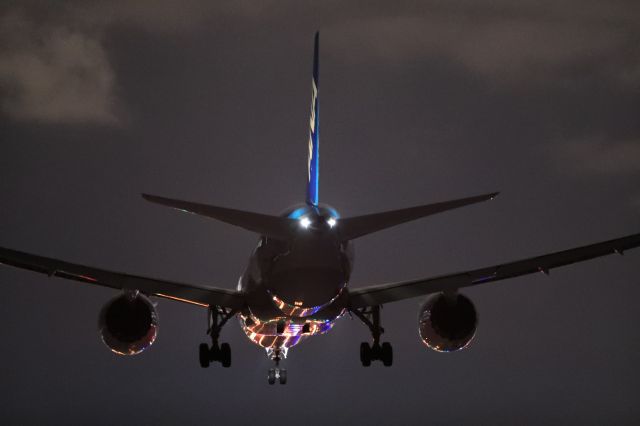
(54, 74)
(511, 43)
(597, 157)
(54, 66)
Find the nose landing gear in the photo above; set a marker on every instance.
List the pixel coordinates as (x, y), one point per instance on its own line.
(277, 373)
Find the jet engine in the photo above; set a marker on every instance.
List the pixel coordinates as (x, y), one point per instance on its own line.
(447, 324)
(128, 324)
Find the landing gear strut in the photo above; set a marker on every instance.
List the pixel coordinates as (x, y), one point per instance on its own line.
(217, 318)
(376, 351)
(277, 373)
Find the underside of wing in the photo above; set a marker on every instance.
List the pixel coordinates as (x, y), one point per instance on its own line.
(197, 295)
(377, 295)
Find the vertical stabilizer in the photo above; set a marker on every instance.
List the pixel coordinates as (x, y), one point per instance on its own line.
(314, 135)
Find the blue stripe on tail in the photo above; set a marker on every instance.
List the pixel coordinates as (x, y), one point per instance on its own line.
(313, 166)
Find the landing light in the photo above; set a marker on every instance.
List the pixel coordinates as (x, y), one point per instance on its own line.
(331, 222)
(305, 222)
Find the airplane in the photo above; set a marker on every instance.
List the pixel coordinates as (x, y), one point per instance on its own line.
(296, 282)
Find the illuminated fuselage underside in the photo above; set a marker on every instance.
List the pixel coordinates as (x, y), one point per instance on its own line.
(295, 289)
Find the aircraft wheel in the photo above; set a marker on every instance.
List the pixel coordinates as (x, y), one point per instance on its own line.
(272, 376)
(204, 355)
(365, 354)
(225, 355)
(386, 354)
(283, 377)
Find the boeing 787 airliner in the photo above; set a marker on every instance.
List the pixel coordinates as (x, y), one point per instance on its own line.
(296, 282)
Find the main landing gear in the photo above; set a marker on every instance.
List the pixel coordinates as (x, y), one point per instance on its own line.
(376, 351)
(217, 318)
(277, 373)
(220, 353)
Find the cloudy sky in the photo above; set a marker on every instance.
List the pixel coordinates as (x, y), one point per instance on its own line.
(421, 102)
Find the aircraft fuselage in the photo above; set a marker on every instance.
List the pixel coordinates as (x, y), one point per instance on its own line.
(296, 288)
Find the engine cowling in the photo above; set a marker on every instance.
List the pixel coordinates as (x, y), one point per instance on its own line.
(128, 324)
(447, 324)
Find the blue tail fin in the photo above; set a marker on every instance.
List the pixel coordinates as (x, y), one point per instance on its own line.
(314, 135)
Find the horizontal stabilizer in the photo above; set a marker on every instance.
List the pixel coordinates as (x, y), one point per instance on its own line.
(359, 226)
(271, 226)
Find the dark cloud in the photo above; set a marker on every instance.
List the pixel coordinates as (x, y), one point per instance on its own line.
(54, 66)
(524, 43)
(57, 69)
(54, 73)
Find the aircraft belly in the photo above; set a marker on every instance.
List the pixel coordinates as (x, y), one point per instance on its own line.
(282, 332)
(292, 291)
(267, 326)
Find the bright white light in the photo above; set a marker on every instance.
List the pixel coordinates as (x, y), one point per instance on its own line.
(305, 222)
(331, 222)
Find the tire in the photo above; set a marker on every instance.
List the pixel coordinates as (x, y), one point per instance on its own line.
(283, 377)
(387, 354)
(204, 355)
(365, 354)
(225, 355)
(272, 376)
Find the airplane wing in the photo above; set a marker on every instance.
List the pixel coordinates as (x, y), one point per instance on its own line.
(385, 293)
(196, 295)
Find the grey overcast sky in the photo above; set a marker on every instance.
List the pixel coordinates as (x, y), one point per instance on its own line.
(420, 102)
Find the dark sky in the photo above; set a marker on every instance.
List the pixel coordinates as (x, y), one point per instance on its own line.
(420, 102)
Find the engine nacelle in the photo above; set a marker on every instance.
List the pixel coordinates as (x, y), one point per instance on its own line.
(128, 324)
(447, 325)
